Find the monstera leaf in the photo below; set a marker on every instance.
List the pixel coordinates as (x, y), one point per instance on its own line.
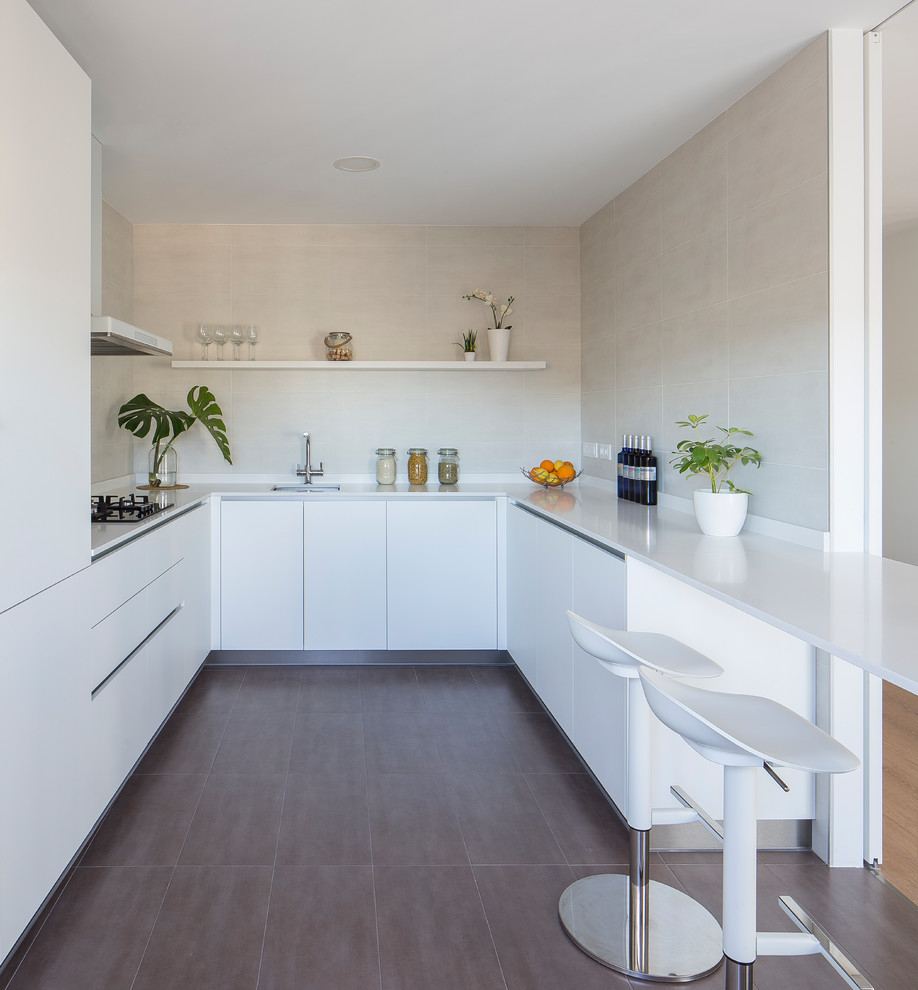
(141, 414)
(204, 408)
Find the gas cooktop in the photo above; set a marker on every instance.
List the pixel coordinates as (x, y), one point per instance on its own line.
(125, 508)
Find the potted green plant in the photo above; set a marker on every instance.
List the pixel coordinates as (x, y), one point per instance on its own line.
(721, 509)
(141, 415)
(468, 344)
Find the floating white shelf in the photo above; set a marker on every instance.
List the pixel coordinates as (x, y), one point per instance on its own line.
(364, 365)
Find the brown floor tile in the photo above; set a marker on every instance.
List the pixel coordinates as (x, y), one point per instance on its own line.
(187, 744)
(269, 689)
(96, 934)
(537, 745)
(399, 742)
(432, 930)
(321, 930)
(328, 742)
(255, 743)
(213, 691)
(584, 823)
(412, 821)
(521, 904)
(325, 821)
(329, 689)
(450, 689)
(506, 690)
(210, 932)
(501, 821)
(390, 689)
(147, 824)
(471, 742)
(237, 821)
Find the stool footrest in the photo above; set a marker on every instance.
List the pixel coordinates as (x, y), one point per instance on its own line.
(709, 823)
(786, 944)
(673, 816)
(833, 952)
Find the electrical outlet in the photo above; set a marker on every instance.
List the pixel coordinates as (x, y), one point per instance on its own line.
(605, 452)
(590, 450)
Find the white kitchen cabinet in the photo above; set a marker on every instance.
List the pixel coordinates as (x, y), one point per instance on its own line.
(523, 570)
(45, 191)
(442, 574)
(345, 575)
(599, 696)
(44, 748)
(261, 574)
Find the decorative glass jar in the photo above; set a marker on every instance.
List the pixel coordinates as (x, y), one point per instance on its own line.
(386, 462)
(163, 468)
(417, 466)
(448, 467)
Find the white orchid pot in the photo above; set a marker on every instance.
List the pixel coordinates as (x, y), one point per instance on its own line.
(720, 513)
(499, 343)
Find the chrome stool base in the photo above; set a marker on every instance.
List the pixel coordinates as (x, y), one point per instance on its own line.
(737, 976)
(678, 941)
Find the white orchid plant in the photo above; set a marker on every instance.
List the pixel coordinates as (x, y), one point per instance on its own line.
(500, 311)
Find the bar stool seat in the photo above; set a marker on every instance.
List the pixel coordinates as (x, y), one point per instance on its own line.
(629, 923)
(743, 732)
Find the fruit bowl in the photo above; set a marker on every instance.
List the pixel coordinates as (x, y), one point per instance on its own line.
(536, 478)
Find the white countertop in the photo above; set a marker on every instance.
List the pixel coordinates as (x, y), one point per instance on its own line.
(861, 608)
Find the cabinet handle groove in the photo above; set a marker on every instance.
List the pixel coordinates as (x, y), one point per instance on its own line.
(139, 646)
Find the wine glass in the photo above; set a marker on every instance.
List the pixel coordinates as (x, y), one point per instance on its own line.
(205, 338)
(220, 338)
(237, 336)
(251, 335)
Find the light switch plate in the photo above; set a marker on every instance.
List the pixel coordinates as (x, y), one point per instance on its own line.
(605, 452)
(590, 450)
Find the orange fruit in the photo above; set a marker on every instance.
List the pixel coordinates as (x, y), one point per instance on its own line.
(568, 464)
(566, 472)
(547, 465)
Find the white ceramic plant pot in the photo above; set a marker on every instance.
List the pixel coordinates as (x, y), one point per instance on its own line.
(720, 513)
(499, 344)
(469, 355)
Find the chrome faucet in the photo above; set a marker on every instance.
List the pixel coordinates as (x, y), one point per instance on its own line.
(307, 470)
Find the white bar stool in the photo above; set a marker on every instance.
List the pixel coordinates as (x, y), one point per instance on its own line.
(630, 923)
(743, 733)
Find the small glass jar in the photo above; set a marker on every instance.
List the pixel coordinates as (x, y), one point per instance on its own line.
(385, 466)
(448, 467)
(417, 466)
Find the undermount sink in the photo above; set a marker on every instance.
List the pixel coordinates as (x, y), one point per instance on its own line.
(306, 488)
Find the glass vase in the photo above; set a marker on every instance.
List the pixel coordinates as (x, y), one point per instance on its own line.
(163, 467)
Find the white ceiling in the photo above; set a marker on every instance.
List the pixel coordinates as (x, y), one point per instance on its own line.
(481, 112)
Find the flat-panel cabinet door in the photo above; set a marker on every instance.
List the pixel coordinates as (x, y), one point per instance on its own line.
(551, 602)
(261, 575)
(523, 574)
(442, 575)
(599, 699)
(345, 582)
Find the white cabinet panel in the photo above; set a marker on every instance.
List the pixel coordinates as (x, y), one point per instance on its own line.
(44, 748)
(442, 575)
(345, 582)
(522, 581)
(552, 600)
(45, 190)
(261, 575)
(599, 696)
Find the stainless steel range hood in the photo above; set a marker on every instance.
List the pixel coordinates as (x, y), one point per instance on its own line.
(111, 336)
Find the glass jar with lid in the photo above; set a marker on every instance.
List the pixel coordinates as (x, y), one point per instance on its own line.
(386, 463)
(417, 466)
(448, 467)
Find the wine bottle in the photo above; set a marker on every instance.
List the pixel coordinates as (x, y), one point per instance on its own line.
(620, 465)
(629, 469)
(651, 474)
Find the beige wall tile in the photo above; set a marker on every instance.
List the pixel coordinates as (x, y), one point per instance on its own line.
(596, 261)
(266, 270)
(176, 235)
(781, 150)
(597, 313)
(696, 346)
(551, 237)
(461, 270)
(286, 380)
(638, 296)
(703, 145)
(117, 301)
(695, 201)
(780, 241)
(475, 236)
(280, 235)
(562, 373)
(781, 329)
(805, 67)
(173, 269)
(679, 402)
(554, 421)
(637, 410)
(176, 317)
(551, 322)
(648, 184)
(290, 327)
(377, 235)
(695, 274)
(603, 217)
(385, 328)
(597, 364)
(381, 271)
(117, 250)
(551, 270)
(495, 417)
(769, 485)
(638, 235)
(597, 416)
(639, 357)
